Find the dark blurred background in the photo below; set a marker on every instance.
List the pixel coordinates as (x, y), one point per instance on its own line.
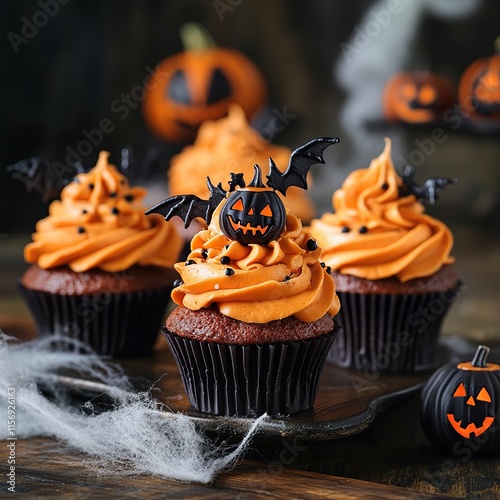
(64, 77)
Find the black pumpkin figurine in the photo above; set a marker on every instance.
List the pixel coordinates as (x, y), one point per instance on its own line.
(252, 214)
(460, 404)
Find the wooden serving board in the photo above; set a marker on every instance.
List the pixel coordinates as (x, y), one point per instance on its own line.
(346, 403)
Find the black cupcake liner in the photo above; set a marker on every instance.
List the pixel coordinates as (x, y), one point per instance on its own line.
(119, 325)
(390, 333)
(246, 381)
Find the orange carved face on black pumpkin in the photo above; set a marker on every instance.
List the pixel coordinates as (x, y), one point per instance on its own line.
(460, 406)
(469, 414)
(253, 215)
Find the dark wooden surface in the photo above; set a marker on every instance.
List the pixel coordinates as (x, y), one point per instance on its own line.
(391, 458)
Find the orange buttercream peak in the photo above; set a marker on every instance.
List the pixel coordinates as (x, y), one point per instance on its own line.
(375, 232)
(99, 222)
(102, 160)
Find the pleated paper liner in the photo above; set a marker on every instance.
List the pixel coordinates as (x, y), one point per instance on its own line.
(390, 333)
(119, 325)
(235, 380)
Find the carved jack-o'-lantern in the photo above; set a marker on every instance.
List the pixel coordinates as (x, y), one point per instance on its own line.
(253, 214)
(479, 87)
(460, 406)
(199, 84)
(417, 97)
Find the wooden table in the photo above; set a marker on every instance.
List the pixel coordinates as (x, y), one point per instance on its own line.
(391, 458)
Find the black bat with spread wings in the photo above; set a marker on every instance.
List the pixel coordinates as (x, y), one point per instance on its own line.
(430, 189)
(189, 207)
(301, 160)
(39, 174)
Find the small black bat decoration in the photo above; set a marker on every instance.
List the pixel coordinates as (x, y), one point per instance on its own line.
(253, 213)
(39, 174)
(189, 206)
(430, 189)
(301, 160)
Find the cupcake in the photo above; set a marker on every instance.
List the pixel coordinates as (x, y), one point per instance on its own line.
(256, 307)
(230, 145)
(101, 270)
(392, 268)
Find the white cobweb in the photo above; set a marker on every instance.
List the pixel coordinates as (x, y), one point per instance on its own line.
(134, 438)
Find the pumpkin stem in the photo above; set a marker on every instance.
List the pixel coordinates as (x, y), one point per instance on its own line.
(257, 177)
(479, 359)
(195, 37)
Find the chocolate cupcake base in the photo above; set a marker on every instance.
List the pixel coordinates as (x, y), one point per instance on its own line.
(119, 325)
(390, 332)
(249, 380)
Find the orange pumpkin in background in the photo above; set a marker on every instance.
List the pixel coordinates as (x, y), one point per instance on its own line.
(417, 97)
(200, 84)
(479, 87)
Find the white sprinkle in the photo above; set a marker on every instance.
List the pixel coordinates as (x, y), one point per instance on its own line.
(216, 286)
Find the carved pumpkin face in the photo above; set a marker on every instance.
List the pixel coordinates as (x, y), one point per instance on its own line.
(469, 414)
(459, 404)
(479, 87)
(417, 97)
(198, 85)
(253, 215)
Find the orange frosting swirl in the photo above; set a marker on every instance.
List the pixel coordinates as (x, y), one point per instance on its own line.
(99, 222)
(230, 145)
(265, 282)
(396, 239)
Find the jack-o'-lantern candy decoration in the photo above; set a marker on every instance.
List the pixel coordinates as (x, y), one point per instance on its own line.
(252, 214)
(417, 97)
(200, 84)
(479, 87)
(461, 404)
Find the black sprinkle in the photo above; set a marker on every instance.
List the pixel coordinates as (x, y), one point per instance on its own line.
(84, 211)
(226, 247)
(190, 262)
(323, 264)
(204, 253)
(385, 186)
(177, 283)
(225, 260)
(113, 194)
(287, 278)
(115, 211)
(345, 229)
(91, 186)
(363, 230)
(81, 229)
(312, 245)
(329, 270)
(129, 197)
(229, 271)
